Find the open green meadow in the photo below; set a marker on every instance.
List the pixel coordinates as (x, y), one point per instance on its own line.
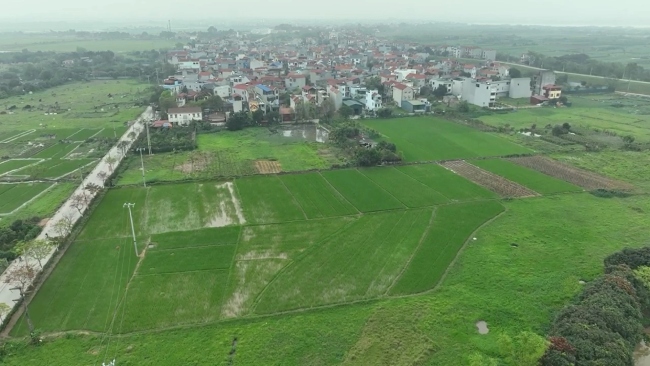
(430, 139)
(538, 182)
(582, 114)
(78, 105)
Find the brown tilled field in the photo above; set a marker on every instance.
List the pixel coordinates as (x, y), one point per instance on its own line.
(267, 166)
(582, 178)
(491, 181)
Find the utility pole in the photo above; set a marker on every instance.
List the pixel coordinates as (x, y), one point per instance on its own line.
(144, 181)
(114, 132)
(146, 125)
(22, 297)
(135, 244)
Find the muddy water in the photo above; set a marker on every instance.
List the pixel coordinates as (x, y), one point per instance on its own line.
(482, 327)
(642, 355)
(306, 132)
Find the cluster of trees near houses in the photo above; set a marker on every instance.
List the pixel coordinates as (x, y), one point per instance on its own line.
(346, 136)
(33, 71)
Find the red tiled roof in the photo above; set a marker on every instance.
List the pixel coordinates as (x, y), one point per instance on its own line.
(400, 86)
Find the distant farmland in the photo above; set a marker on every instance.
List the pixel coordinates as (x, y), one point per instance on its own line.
(430, 139)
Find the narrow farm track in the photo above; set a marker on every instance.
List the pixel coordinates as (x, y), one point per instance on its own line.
(491, 181)
(582, 178)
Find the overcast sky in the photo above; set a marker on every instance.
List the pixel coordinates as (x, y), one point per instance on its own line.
(552, 12)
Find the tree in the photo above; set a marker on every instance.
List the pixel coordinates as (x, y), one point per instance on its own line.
(345, 111)
(327, 110)
(166, 101)
(304, 111)
(464, 107)
(4, 310)
(110, 160)
(425, 91)
(257, 116)
(92, 188)
(78, 202)
(440, 91)
(37, 249)
(64, 226)
(514, 72)
(237, 121)
(213, 103)
(628, 139)
(123, 145)
(273, 117)
(385, 113)
(367, 157)
(22, 277)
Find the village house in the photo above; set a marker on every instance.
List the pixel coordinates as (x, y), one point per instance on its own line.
(374, 101)
(183, 116)
(401, 93)
(293, 81)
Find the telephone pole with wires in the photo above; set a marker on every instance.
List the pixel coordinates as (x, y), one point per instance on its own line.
(135, 244)
(144, 181)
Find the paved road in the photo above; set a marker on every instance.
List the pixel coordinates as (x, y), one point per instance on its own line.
(68, 211)
(572, 73)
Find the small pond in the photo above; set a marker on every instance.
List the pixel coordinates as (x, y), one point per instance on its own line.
(308, 132)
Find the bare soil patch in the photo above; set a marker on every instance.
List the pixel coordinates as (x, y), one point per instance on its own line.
(489, 180)
(582, 178)
(267, 166)
(197, 162)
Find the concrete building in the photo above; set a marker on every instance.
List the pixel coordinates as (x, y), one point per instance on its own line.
(223, 91)
(447, 83)
(183, 116)
(542, 78)
(373, 100)
(520, 88)
(414, 106)
(552, 91)
(293, 81)
(401, 93)
(489, 55)
(481, 94)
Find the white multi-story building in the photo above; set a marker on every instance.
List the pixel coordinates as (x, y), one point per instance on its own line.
(373, 100)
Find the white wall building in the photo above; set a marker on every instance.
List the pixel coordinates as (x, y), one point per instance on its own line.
(373, 100)
(183, 116)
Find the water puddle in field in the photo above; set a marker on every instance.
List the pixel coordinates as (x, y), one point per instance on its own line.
(482, 327)
(306, 132)
(229, 211)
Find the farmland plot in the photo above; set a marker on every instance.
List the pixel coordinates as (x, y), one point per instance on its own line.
(53, 168)
(191, 206)
(365, 195)
(452, 226)
(359, 262)
(451, 185)
(187, 259)
(265, 249)
(56, 151)
(163, 300)
(579, 177)
(430, 139)
(87, 285)
(316, 196)
(15, 164)
(529, 178)
(85, 134)
(12, 196)
(267, 200)
(496, 183)
(409, 191)
(196, 238)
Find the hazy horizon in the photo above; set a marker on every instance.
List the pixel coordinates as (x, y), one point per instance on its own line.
(628, 13)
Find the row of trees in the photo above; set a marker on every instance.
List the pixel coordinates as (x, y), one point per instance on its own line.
(583, 64)
(605, 323)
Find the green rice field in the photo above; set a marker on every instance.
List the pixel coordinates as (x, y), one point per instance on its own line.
(431, 139)
(53, 168)
(12, 196)
(15, 164)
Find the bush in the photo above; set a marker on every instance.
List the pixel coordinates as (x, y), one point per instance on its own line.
(605, 323)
